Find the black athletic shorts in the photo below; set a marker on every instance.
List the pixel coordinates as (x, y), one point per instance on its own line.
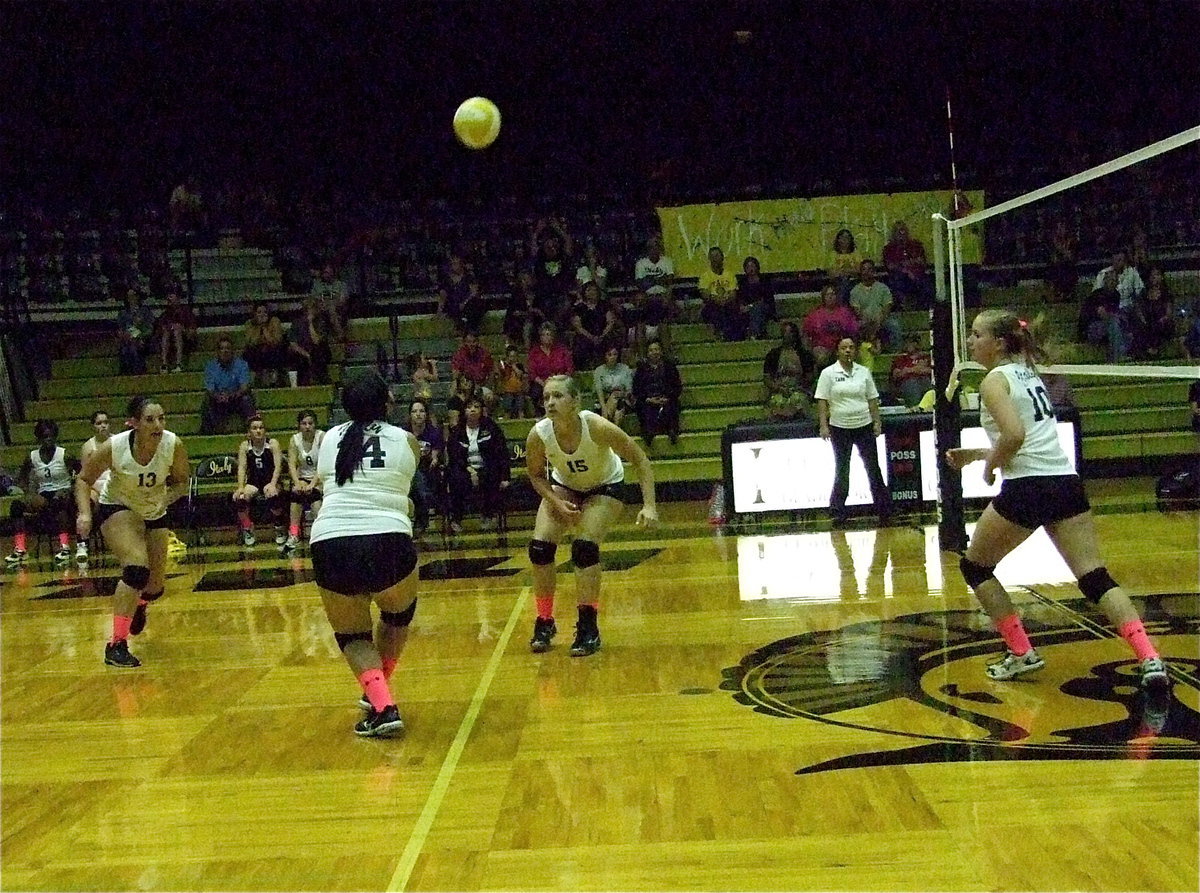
(308, 497)
(1035, 501)
(104, 511)
(580, 496)
(363, 565)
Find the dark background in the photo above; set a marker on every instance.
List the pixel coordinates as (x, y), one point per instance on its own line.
(638, 98)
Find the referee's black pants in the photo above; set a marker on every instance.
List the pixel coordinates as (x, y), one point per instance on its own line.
(844, 440)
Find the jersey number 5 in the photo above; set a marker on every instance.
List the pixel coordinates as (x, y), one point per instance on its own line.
(373, 450)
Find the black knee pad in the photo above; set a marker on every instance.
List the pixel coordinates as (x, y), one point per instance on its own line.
(542, 552)
(344, 639)
(399, 618)
(1096, 584)
(585, 553)
(975, 574)
(16, 511)
(135, 576)
(152, 596)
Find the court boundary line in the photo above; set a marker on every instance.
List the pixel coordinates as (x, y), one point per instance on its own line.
(441, 784)
(1102, 632)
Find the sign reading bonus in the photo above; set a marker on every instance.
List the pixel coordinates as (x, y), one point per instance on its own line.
(791, 234)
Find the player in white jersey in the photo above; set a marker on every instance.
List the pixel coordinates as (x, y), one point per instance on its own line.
(361, 543)
(149, 471)
(303, 449)
(1040, 489)
(584, 451)
(46, 476)
(100, 426)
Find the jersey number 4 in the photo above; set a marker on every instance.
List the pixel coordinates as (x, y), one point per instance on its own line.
(373, 450)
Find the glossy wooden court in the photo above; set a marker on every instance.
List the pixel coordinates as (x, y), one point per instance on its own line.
(797, 711)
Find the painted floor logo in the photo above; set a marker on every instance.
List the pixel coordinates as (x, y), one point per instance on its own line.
(934, 662)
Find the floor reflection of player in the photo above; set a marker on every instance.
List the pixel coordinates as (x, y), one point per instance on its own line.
(1040, 489)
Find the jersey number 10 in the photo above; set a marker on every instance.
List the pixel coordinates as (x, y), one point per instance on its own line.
(1041, 406)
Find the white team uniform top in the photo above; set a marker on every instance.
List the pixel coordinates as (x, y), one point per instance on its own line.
(589, 467)
(90, 446)
(1041, 454)
(141, 488)
(847, 393)
(306, 460)
(51, 476)
(376, 499)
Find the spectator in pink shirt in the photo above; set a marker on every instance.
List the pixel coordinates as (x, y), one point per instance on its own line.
(546, 358)
(827, 324)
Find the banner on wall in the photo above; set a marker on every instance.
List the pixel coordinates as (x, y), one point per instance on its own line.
(793, 234)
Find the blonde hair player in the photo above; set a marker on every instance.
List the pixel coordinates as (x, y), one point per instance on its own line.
(149, 471)
(584, 451)
(303, 449)
(1040, 489)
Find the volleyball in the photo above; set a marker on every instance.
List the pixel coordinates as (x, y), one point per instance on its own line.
(477, 123)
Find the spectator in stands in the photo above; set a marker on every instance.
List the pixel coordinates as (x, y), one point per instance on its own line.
(1129, 283)
(260, 462)
(758, 297)
(553, 271)
(135, 326)
(722, 307)
(423, 372)
(592, 270)
(1194, 401)
(265, 347)
(654, 274)
(907, 269)
(827, 324)
(464, 391)
(1152, 319)
(177, 328)
(227, 391)
(478, 464)
(473, 361)
(46, 477)
(519, 311)
(459, 297)
(333, 298)
(512, 383)
(1100, 318)
(657, 389)
(613, 381)
(428, 487)
(871, 302)
(848, 412)
(844, 262)
(546, 358)
(309, 343)
(1062, 274)
(594, 325)
(788, 375)
(912, 371)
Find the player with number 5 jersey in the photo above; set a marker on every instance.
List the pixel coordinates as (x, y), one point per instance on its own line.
(1040, 489)
(149, 471)
(584, 453)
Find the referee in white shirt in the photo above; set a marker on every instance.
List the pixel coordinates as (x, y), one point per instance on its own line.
(848, 409)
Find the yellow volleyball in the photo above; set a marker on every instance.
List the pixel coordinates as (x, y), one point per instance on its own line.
(477, 122)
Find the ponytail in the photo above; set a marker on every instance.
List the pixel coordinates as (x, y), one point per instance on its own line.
(1020, 337)
(350, 452)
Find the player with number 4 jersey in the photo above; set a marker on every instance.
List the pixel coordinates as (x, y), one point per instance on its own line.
(1040, 489)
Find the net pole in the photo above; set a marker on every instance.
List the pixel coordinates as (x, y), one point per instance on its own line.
(952, 530)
